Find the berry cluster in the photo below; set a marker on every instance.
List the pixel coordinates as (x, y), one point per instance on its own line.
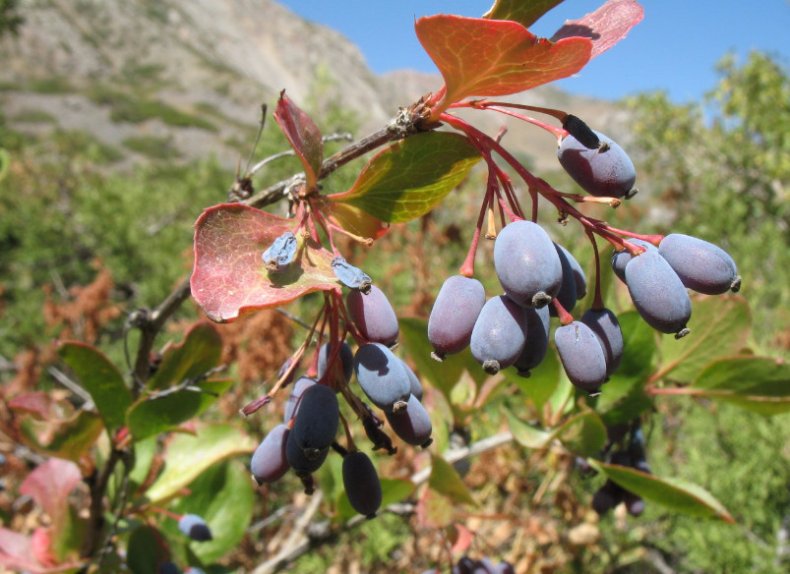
(541, 278)
(312, 412)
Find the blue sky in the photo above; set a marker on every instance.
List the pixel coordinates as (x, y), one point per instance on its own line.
(674, 48)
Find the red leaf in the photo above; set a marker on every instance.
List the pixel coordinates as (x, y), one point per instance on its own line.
(50, 485)
(229, 276)
(605, 27)
(464, 539)
(17, 553)
(481, 57)
(41, 545)
(39, 404)
(303, 135)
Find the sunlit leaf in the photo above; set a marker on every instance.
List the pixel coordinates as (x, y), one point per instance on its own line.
(525, 13)
(673, 493)
(189, 455)
(605, 27)
(101, 379)
(481, 57)
(200, 352)
(719, 328)
(303, 135)
(445, 480)
(409, 178)
(525, 434)
(229, 276)
(353, 219)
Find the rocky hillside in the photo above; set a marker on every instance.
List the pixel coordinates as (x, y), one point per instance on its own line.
(185, 78)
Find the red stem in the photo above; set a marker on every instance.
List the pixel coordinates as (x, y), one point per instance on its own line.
(562, 314)
(481, 139)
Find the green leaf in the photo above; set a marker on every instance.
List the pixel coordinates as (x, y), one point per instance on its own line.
(583, 434)
(672, 493)
(353, 219)
(70, 438)
(719, 328)
(101, 379)
(154, 415)
(146, 551)
(525, 434)
(758, 384)
(525, 13)
(200, 352)
(445, 480)
(144, 452)
(441, 375)
(541, 383)
(225, 497)
(623, 396)
(409, 178)
(561, 400)
(639, 346)
(622, 399)
(187, 456)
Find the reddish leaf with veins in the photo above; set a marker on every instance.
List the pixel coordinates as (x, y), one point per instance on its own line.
(481, 57)
(229, 276)
(303, 135)
(605, 27)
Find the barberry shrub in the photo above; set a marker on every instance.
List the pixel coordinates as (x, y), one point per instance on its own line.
(362, 384)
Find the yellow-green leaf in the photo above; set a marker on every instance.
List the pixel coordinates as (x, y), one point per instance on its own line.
(410, 177)
(188, 456)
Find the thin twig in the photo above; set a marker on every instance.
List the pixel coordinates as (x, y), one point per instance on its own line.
(73, 386)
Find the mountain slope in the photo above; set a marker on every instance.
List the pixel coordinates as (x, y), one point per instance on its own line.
(169, 78)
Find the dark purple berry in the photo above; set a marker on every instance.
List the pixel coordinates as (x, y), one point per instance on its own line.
(361, 483)
(373, 316)
(527, 264)
(454, 314)
(605, 171)
(701, 266)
